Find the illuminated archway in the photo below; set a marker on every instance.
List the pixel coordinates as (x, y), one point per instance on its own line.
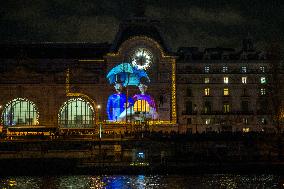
(76, 113)
(20, 111)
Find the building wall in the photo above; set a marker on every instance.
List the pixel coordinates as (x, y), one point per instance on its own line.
(46, 87)
(191, 76)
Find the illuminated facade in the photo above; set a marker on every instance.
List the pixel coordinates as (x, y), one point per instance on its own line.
(222, 89)
(70, 85)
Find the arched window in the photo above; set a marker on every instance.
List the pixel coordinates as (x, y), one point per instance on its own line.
(20, 111)
(76, 113)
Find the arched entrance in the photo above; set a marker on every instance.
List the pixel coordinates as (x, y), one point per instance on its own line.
(76, 113)
(20, 111)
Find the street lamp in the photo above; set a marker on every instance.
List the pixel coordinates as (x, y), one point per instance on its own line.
(98, 110)
(100, 129)
(1, 126)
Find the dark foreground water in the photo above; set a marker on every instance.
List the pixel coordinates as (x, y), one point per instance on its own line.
(144, 181)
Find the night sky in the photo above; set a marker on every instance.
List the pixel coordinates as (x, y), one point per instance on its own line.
(202, 23)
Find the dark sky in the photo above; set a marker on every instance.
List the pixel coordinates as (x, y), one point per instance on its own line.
(203, 23)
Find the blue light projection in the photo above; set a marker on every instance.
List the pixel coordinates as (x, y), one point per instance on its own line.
(116, 104)
(128, 75)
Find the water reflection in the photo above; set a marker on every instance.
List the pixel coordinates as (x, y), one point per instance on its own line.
(230, 181)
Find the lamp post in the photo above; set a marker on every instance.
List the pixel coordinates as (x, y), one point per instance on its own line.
(100, 124)
(1, 126)
(100, 131)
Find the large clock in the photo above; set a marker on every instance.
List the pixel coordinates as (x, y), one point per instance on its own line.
(142, 58)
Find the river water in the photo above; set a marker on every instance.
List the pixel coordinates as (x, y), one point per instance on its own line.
(226, 181)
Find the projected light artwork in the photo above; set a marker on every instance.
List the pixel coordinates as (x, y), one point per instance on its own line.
(120, 106)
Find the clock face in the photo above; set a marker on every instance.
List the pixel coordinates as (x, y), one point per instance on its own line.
(142, 58)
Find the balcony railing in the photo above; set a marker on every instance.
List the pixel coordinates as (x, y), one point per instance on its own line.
(227, 113)
(221, 113)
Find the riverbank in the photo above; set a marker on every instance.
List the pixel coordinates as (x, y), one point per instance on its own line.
(67, 166)
(152, 154)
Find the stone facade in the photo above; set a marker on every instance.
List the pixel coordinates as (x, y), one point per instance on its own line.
(192, 81)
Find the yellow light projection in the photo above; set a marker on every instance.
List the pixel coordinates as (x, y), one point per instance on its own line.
(141, 106)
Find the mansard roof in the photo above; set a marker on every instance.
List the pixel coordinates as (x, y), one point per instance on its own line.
(139, 26)
(219, 53)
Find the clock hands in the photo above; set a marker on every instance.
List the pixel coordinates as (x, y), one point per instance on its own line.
(141, 58)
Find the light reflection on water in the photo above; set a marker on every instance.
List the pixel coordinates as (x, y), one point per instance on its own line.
(230, 181)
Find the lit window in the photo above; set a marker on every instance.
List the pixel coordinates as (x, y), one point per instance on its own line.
(226, 79)
(225, 69)
(140, 155)
(206, 69)
(207, 121)
(244, 80)
(262, 80)
(207, 107)
(244, 69)
(76, 113)
(263, 121)
(226, 92)
(206, 91)
(245, 129)
(245, 121)
(206, 80)
(262, 91)
(20, 111)
(262, 69)
(226, 108)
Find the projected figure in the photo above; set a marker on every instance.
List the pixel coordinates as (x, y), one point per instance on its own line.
(144, 103)
(144, 107)
(116, 103)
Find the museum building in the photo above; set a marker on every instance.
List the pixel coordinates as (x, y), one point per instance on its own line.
(82, 85)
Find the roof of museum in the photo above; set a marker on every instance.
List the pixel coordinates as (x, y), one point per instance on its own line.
(129, 28)
(139, 26)
(51, 50)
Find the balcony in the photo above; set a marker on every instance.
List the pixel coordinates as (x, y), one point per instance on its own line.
(227, 113)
